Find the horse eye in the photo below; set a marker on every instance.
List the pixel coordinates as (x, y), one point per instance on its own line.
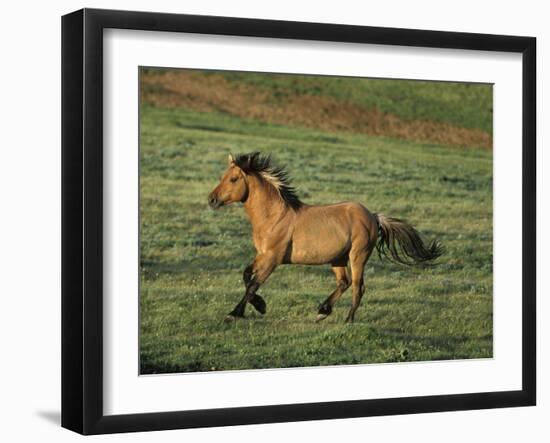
(234, 179)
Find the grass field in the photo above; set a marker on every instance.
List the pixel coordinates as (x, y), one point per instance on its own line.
(192, 258)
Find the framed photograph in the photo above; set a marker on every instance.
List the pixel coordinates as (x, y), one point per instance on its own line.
(269, 221)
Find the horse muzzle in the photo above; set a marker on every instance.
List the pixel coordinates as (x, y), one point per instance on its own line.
(214, 202)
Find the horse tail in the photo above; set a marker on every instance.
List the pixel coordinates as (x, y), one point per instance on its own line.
(401, 243)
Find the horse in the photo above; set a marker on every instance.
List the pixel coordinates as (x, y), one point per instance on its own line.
(286, 230)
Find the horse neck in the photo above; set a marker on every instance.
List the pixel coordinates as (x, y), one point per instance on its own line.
(264, 206)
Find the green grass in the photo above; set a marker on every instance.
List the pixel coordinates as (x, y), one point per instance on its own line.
(468, 105)
(192, 258)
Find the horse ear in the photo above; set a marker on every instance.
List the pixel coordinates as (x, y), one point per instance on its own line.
(230, 159)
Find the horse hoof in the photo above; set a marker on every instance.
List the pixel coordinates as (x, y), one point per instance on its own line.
(320, 317)
(231, 318)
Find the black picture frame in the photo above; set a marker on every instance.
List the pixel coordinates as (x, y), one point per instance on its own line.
(82, 218)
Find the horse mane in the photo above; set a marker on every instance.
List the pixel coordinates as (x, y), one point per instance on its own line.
(270, 174)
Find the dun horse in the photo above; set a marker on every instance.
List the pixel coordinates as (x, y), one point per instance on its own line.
(288, 231)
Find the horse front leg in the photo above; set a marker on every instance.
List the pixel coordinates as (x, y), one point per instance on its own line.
(257, 301)
(261, 269)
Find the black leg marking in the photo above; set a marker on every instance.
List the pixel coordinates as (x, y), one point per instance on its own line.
(255, 300)
(253, 276)
(238, 311)
(258, 303)
(247, 274)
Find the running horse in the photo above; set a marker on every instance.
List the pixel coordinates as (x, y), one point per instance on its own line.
(287, 231)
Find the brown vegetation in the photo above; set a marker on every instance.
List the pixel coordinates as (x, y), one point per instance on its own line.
(188, 89)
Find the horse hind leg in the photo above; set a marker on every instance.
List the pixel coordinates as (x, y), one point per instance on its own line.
(342, 283)
(358, 291)
(358, 260)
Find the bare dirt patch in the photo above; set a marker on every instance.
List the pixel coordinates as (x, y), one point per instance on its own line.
(193, 90)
